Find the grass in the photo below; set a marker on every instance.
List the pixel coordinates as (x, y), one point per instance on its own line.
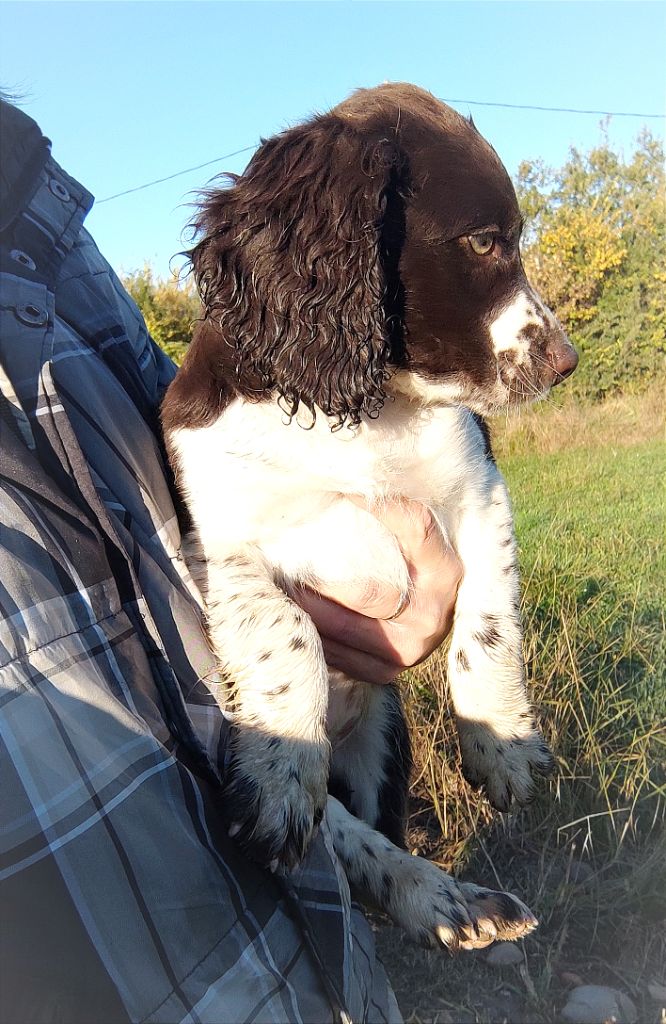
(589, 854)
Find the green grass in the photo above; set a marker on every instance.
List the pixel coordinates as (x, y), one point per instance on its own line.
(590, 525)
(595, 511)
(588, 491)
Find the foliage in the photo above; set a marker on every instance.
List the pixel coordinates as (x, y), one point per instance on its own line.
(169, 308)
(595, 247)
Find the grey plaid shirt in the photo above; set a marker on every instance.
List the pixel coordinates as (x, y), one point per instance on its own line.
(122, 898)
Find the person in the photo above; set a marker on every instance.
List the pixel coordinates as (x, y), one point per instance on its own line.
(122, 896)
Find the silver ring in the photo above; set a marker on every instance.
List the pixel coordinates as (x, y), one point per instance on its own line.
(402, 604)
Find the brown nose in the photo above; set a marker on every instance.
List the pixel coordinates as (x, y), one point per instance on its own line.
(562, 356)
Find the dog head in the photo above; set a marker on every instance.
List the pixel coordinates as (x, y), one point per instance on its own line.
(476, 332)
(373, 249)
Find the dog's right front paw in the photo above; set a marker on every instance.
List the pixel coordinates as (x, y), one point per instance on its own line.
(275, 795)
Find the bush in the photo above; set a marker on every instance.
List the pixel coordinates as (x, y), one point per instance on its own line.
(168, 307)
(595, 246)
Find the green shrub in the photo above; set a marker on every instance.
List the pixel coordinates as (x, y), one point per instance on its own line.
(168, 307)
(595, 246)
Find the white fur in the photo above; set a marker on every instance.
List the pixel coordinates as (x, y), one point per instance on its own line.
(506, 329)
(254, 481)
(277, 494)
(270, 503)
(358, 753)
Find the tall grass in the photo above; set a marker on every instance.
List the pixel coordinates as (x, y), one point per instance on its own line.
(588, 490)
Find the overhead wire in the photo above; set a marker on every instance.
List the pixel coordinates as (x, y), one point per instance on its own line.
(471, 103)
(177, 174)
(556, 110)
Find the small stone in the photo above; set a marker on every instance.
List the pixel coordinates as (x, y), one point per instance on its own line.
(504, 954)
(597, 1004)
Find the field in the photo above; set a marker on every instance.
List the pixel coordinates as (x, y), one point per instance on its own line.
(589, 856)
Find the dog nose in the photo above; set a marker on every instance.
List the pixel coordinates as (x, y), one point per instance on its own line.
(562, 356)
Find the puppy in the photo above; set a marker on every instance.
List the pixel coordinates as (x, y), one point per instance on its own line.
(365, 305)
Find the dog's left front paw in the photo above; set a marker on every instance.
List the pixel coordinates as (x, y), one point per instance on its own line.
(436, 910)
(495, 916)
(506, 769)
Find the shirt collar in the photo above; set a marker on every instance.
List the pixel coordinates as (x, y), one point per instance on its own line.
(24, 152)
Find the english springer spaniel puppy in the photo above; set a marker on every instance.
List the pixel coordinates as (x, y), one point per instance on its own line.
(365, 305)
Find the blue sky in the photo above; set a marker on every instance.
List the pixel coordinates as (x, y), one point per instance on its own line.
(130, 92)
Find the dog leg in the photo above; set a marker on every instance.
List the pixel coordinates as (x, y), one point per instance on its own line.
(431, 906)
(502, 749)
(370, 767)
(270, 652)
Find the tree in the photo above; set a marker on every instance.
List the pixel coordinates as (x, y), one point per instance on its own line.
(169, 308)
(595, 246)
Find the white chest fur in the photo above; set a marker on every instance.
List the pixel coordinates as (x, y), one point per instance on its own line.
(253, 478)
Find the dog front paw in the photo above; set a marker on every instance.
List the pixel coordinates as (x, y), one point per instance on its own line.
(495, 915)
(275, 795)
(435, 910)
(506, 769)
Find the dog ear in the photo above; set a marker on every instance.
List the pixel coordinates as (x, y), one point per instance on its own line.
(292, 268)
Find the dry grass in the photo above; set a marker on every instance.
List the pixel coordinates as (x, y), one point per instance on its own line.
(588, 855)
(561, 423)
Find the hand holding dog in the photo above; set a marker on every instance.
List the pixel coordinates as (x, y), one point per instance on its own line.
(360, 632)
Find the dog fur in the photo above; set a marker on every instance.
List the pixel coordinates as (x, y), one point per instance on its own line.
(365, 305)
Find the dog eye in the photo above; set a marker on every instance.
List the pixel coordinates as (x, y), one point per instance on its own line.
(482, 244)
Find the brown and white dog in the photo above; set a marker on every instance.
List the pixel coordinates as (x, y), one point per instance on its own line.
(362, 273)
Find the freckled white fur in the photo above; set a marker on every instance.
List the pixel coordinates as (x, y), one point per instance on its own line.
(270, 503)
(505, 330)
(278, 493)
(430, 905)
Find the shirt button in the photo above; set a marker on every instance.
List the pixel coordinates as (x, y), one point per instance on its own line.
(59, 190)
(22, 257)
(31, 315)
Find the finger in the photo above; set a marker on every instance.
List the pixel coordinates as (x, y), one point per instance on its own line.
(335, 621)
(398, 644)
(366, 597)
(405, 640)
(425, 547)
(358, 664)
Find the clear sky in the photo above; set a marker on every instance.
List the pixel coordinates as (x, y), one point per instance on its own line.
(130, 92)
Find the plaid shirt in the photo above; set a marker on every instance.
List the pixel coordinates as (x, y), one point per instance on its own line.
(122, 898)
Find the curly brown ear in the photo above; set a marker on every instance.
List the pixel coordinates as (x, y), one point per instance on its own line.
(297, 268)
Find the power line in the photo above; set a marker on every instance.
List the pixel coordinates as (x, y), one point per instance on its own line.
(471, 103)
(169, 177)
(556, 110)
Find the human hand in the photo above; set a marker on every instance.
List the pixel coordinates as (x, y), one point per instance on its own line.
(361, 633)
